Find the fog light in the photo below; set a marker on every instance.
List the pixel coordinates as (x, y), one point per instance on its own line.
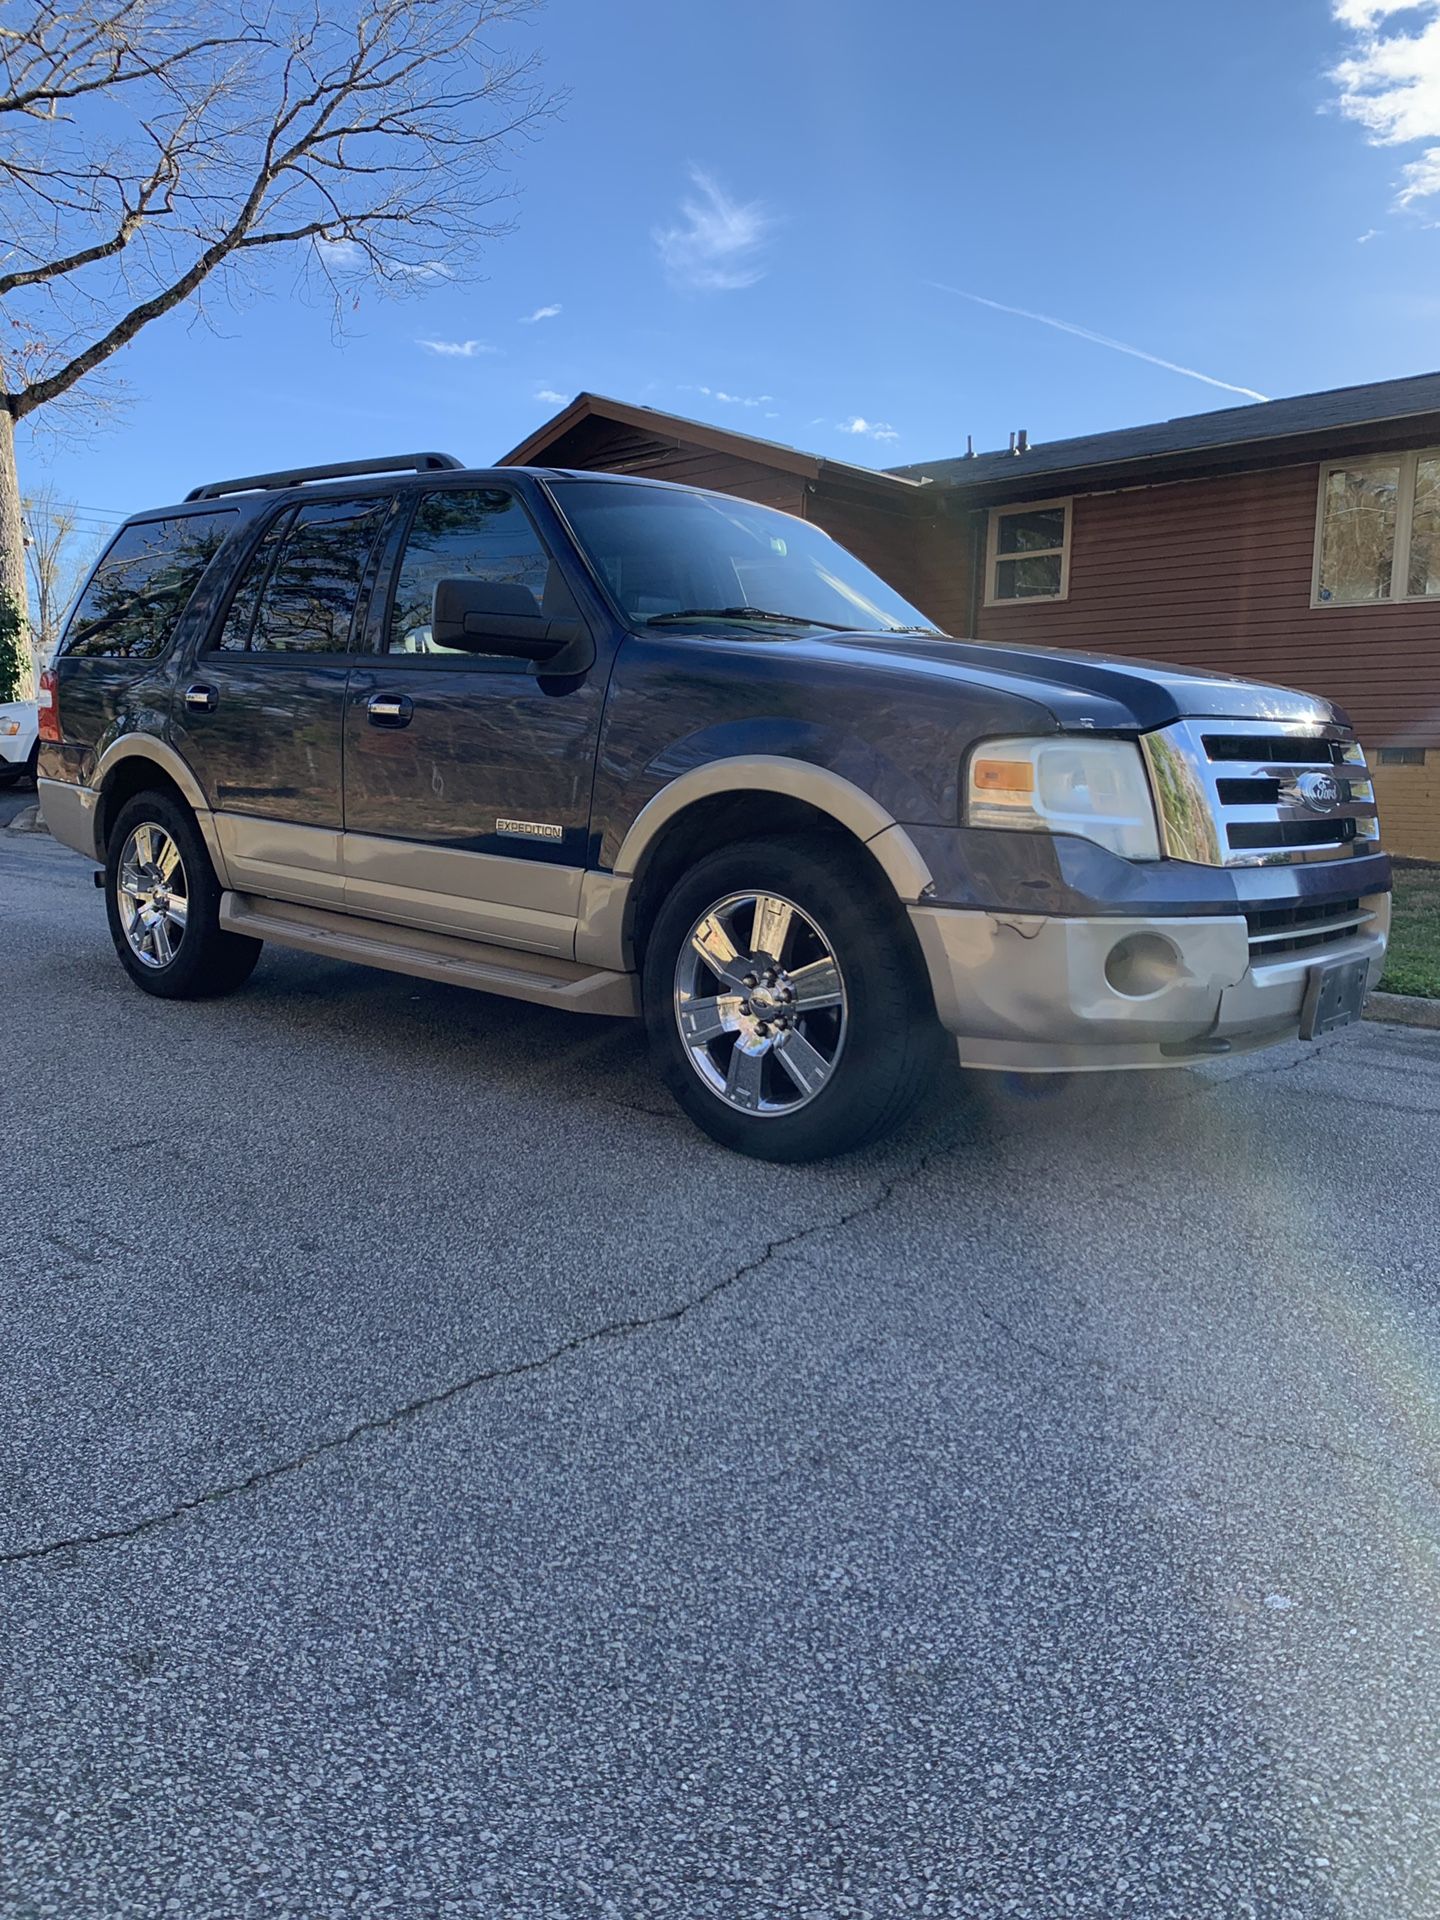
(1142, 964)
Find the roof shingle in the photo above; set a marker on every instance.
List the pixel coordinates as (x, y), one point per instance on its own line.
(1228, 427)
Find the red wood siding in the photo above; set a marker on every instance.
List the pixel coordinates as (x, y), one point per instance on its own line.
(1217, 574)
(923, 558)
(610, 447)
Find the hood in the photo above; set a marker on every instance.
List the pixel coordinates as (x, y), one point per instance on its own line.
(1095, 689)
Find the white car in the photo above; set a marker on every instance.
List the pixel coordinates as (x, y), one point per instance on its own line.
(19, 741)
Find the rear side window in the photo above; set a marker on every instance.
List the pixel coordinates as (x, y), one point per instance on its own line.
(143, 585)
(298, 593)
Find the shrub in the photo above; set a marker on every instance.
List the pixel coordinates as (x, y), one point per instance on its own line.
(14, 648)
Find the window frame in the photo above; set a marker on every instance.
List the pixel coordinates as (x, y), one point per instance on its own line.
(395, 561)
(182, 627)
(264, 524)
(1408, 464)
(994, 558)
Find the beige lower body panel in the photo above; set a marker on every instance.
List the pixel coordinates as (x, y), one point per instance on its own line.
(510, 903)
(278, 857)
(70, 814)
(540, 978)
(1027, 993)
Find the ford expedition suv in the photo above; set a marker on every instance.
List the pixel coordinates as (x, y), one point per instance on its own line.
(635, 749)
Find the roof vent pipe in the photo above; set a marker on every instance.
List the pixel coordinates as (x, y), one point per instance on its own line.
(1012, 443)
(1022, 444)
(969, 446)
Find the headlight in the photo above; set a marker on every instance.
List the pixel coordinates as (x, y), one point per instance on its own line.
(1095, 788)
(9, 726)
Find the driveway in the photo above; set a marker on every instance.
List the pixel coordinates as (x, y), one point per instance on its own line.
(434, 1481)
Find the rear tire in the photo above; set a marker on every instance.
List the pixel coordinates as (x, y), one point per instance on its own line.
(786, 1002)
(162, 900)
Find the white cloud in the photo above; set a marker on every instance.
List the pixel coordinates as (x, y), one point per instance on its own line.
(718, 247)
(867, 429)
(1364, 239)
(1421, 177)
(540, 313)
(736, 399)
(456, 349)
(346, 255)
(1363, 13)
(1101, 339)
(349, 256)
(551, 397)
(1390, 83)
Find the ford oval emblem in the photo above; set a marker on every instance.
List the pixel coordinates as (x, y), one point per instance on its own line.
(1318, 791)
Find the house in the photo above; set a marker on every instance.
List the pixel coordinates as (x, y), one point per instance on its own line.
(1296, 540)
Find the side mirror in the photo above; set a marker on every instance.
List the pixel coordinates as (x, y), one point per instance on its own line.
(490, 616)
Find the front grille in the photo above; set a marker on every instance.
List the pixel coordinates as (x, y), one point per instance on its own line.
(1277, 931)
(1260, 792)
(1291, 833)
(1286, 749)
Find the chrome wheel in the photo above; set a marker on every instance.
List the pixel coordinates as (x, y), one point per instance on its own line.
(152, 895)
(760, 1003)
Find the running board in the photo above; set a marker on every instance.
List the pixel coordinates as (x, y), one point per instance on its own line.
(432, 956)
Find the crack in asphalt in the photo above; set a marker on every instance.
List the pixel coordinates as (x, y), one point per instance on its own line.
(1068, 1362)
(516, 1370)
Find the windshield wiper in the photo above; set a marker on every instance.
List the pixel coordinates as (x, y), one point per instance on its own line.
(745, 613)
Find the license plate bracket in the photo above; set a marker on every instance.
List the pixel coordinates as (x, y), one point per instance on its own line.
(1334, 997)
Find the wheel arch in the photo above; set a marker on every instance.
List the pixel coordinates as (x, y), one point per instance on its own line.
(137, 764)
(720, 802)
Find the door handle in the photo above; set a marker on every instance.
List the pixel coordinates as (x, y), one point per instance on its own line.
(390, 709)
(201, 699)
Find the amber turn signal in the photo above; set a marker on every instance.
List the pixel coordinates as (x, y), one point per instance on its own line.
(1002, 776)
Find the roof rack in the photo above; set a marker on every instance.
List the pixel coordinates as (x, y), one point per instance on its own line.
(341, 470)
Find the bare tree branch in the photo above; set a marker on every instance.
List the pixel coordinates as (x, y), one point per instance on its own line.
(58, 556)
(154, 151)
(64, 55)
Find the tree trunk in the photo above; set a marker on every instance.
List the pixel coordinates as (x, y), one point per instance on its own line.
(12, 539)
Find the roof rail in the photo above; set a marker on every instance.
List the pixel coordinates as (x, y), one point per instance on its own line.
(341, 470)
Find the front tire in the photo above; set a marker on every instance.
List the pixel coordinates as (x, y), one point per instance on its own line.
(786, 1002)
(162, 900)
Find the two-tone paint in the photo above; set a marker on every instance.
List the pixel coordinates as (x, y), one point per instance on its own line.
(306, 798)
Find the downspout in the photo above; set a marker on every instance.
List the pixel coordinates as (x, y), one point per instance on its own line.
(979, 522)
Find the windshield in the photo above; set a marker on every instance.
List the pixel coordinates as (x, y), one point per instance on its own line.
(666, 556)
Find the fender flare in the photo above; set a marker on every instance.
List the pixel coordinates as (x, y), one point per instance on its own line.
(144, 746)
(602, 932)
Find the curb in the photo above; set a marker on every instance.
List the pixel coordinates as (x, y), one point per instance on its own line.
(1403, 1009)
(28, 820)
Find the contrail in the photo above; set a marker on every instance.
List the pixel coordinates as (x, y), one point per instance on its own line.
(1099, 340)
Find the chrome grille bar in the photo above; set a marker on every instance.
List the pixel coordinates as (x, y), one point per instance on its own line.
(1254, 793)
(1313, 933)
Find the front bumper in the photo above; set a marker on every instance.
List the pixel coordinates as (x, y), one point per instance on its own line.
(1030, 993)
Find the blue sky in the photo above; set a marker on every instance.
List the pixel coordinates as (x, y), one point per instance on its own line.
(765, 201)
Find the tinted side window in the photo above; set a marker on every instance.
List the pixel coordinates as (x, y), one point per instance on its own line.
(143, 585)
(299, 592)
(235, 634)
(485, 532)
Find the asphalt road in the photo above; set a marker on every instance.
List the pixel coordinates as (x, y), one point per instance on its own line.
(434, 1481)
(15, 799)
